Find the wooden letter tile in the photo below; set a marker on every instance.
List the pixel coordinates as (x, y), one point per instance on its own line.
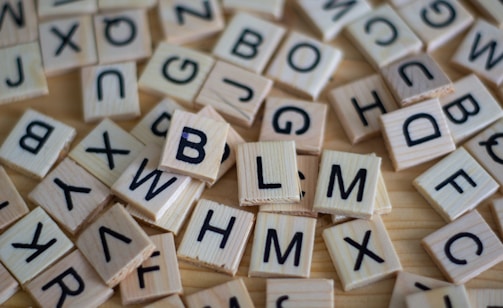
(452, 296)
(21, 73)
(147, 188)
(35, 144)
(383, 37)
(464, 248)
(105, 5)
(329, 18)
(185, 21)
(67, 44)
(18, 24)
(173, 301)
(416, 134)
(49, 8)
(415, 79)
(497, 208)
(195, 146)
(32, 244)
(304, 65)
(486, 297)
(110, 91)
(493, 10)
(122, 36)
(270, 9)
(361, 251)
(455, 185)
(408, 283)
(12, 205)
(157, 277)
(70, 195)
(71, 282)
(216, 236)
(229, 294)
(359, 104)
(436, 22)
(175, 71)
(8, 285)
(115, 245)
(267, 173)
(234, 92)
(106, 151)
(282, 246)
(248, 42)
(314, 293)
(347, 184)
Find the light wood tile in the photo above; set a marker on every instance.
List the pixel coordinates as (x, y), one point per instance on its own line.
(12, 205)
(106, 151)
(71, 195)
(485, 297)
(234, 92)
(291, 119)
(110, 91)
(18, 23)
(464, 248)
(270, 9)
(115, 245)
(497, 211)
(304, 65)
(105, 5)
(282, 246)
(35, 144)
(383, 37)
(173, 301)
(48, 9)
(372, 255)
(156, 277)
(416, 134)
(491, 9)
(231, 294)
(399, 3)
(452, 296)
(8, 285)
(249, 42)
(71, 282)
(408, 283)
(32, 244)
(314, 293)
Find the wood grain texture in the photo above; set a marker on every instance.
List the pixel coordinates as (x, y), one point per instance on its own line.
(8, 285)
(12, 205)
(13, 32)
(272, 9)
(485, 297)
(298, 293)
(407, 283)
(230, 293)
(452, 296)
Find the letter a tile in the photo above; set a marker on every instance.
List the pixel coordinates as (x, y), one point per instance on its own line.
(19, 22)
(362, 252)
(452, 296)
(229, 294)
(464, 248)
(12, 205)
(408, 283)
(313, 293)
(115, 245)
(8, 285)
(32, 244)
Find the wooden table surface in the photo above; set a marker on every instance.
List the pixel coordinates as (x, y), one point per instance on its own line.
(411, 220)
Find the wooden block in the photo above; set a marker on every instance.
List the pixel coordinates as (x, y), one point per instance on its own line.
(282, 246)
(12, 205)
(383, 37)
(147, 188)
(231, 294)
(234, 92)
(106, 151)
(22, 73)
(199, 142)
(436, 22)
(399, 3)
(19, 22)
(470, 108)
(476, 52)
(361, 251)
(216, 236)
(175, 71)
(359, 104)
(416, 134)
(32, 244)
(122, 36)
(233, 139)
(105, 5)
(48, 9)
(67, 44)
(351, 171)
(408, 283)
(157, 277)
(248, 42)
(70, 282)
(329, 18)
(8, 285)
(455, 185)
(464, 248)
(290, 119)
(71, 195)
(486, 297)
(173, 220)
(153, 127)
(35, 144)
(173, 301)
(110, 91)
(304, 65)
(416, 78)
(314, 293)
(185, 21)
(497, 211)
(115, 245)
(492, 10)
(452, 296)
(275, 165)
(308, 173)
(270, 9)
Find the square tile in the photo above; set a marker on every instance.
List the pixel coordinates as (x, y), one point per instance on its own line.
(8, 285)
(314, 293)
(408, 283)
(12, 205)
(485, 297)
(452, 296)
(19, 22)
(232, 293)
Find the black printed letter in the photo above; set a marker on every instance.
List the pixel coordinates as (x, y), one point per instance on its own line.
(336, 173)
(272, 238)
(250, 39)
(207, 14)
(394, 31)
(207, 227)
(156, 174)
(39, 248)
(408, 82)
(406, 132)
(65, 289)
(452, 180)
(197, 147)
(186, 64)
(37, 133)
(287, 129)
(260, 177)
(458, 104)
(448, 244)
(307, 68)
(115, 22)
(361, 110)
(436, 7)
